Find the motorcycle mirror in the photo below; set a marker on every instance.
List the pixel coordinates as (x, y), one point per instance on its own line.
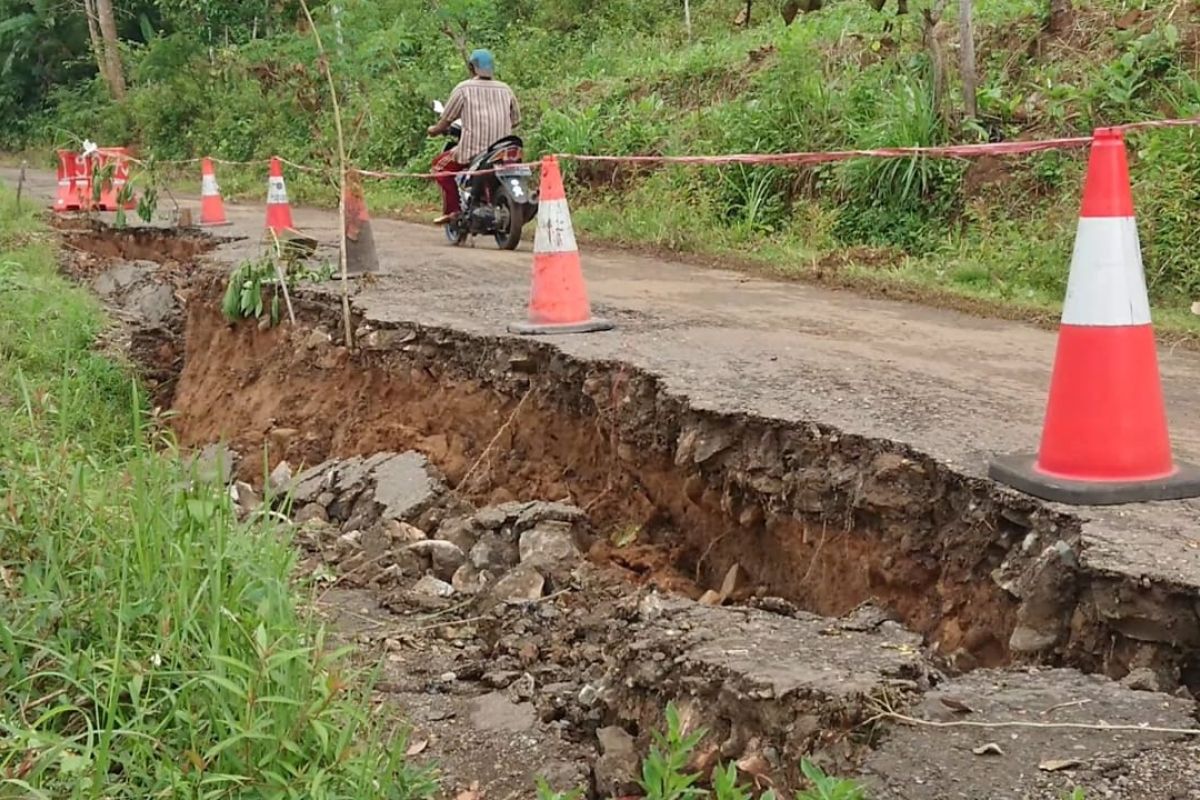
(438, 108)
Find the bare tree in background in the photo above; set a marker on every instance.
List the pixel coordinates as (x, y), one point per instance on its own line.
(966, 60)
(102, 27)
(89, 11)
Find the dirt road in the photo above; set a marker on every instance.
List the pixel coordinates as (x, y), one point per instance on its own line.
(956, 387)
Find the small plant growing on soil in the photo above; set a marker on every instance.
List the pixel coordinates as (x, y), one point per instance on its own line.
(826, 787)
(664, 775)
(244, 293)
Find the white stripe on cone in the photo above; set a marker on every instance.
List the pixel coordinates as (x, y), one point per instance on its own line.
(208, 186)
(555, 234)
(276, 192)
(1106, 287)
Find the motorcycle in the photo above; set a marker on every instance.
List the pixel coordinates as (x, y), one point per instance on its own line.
(498, 203)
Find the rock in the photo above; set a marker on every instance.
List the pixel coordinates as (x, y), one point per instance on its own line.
(491, 518)
(386, 339)
(500, 678)
(496, 713)
(311, 483)
(280, 479)
(375, 544)
(550, 543)
(401, 533)
(343, 507)
(364, 513)
(459, 530)
(492, 552)
(523, 584)
(244, 496)
(1143, 679)
(433, 587)
(469, 580)
(405, 487)
(214, 464)
(310, 512)
(710, 443)
(539, 512)
(445, 557)
(349, 542)
(616, 770)
(1030, 640)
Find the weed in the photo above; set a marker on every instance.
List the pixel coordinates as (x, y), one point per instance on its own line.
(663, 776)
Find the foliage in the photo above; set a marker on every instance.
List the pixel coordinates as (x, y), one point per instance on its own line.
(150, 644)
(665, 775)
(243, 297)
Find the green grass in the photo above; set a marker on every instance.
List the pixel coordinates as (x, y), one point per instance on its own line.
(150, 644)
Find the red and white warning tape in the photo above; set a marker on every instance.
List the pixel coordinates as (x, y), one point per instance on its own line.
(961, 151)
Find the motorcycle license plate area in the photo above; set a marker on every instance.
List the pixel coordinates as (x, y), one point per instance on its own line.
(519, 170)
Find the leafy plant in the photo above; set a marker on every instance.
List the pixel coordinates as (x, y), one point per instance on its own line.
(243, 297)
(663, 776)
(825, 787)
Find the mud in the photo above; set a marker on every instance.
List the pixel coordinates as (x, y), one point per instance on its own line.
(866, 571)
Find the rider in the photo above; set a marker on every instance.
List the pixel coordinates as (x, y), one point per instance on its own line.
(489, 112)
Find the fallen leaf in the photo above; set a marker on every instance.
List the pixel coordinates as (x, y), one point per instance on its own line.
(756, 766)
(957, 705)
(417, 747)
(1056, 764)
(989, 749)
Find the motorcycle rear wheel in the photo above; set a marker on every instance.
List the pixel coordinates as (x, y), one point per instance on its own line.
(510, 237)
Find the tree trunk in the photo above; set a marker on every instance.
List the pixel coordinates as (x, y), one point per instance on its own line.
(112, 52)
(1062, 17)
(89, 11)
(966, 62)
(931, 18)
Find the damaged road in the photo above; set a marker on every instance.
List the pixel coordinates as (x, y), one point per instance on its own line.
(875, 572)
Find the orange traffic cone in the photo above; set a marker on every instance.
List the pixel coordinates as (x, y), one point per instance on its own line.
(361, 257)
(558, 301)
(212, 207)
(279, 211)
(1104, 439)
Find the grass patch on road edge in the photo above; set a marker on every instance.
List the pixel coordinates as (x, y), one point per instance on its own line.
(150, 644)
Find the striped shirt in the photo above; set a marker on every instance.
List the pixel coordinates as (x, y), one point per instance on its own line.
(489, 112)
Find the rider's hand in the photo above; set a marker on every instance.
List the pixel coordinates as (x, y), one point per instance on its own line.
(432, 130)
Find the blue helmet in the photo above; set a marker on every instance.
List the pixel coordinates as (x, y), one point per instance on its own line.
(483, 62)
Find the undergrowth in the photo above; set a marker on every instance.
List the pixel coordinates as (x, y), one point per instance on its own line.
(150, 644)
